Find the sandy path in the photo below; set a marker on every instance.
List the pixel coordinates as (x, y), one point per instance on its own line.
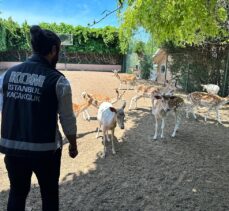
(190, 172)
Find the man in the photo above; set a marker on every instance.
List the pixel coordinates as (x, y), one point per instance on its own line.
(32, 95)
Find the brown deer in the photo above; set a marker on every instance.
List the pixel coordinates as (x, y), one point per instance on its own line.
(127, 79)
(100, 98)
(82, 108)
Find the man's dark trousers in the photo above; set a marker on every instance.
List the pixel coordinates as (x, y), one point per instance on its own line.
(47, 171)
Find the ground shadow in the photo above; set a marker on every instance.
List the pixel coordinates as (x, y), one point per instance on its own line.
(189, 172)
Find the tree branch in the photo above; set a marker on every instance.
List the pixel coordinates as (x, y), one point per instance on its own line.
(105, 16)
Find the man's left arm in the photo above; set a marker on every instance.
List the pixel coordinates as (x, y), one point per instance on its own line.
(1, 89)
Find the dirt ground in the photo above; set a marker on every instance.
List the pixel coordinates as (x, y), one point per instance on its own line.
(189, 172)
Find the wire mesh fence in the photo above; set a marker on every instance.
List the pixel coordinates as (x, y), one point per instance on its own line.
(192, 67)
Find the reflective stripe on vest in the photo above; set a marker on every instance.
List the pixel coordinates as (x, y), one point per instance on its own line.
(20, 145)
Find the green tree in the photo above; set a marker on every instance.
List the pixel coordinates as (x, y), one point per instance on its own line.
(181, 21)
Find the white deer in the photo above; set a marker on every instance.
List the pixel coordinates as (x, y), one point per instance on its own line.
(211, 88)
(108, 118)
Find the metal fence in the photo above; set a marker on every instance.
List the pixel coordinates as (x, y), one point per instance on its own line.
(194, 67)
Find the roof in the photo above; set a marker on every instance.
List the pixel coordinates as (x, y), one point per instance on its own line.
(159, 55)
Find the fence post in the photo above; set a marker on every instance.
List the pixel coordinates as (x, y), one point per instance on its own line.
(123, 68)
(187, 80)
(226, 76)
(166, 66)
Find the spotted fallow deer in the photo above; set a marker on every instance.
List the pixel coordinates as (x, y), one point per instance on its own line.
(147, 91)
(161, 106)
(127, 79)
(142, 91)
(210, 101)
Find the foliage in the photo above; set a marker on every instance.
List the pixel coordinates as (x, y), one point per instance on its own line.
(139, 48)
(146, 66)
(145, 51)
(86, 40)
(13, 36)
(180, 21)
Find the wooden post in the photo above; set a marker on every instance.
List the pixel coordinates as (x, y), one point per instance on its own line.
(226, 76)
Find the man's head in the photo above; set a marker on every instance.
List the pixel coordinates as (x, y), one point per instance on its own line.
(45, 43)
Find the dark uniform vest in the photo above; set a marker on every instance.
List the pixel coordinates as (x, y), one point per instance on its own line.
(29, 112)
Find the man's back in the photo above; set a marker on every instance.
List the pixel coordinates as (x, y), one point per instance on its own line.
(29, 113)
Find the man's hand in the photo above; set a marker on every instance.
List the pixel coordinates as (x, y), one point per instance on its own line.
(72, 150)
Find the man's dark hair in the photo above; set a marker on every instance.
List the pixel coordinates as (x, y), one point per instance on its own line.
(43, 40)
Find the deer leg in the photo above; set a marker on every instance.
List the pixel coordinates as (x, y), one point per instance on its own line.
(107, 135)
(162, 127)
(104, 143)
(156, 127)
(98, 129)
(192, 111)
(218, 115)
(177, 123)
(188, 109)
(88, 115)
(135, 98)
(120, 86)
(206, 116)
(84, 115)
(132, 99)
(187, 114)
(112, 141)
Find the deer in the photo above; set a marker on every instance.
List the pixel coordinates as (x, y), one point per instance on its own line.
(147, 91)
(82, 108)
(128, 79)
(161, 106)
(108, 118)
(211, 88)
(99, 98)
(142, 91)
(210, 101)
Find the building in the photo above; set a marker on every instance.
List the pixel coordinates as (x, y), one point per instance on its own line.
(161, 60)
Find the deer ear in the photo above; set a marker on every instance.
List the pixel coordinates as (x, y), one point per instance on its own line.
(172, 97)
(157, 97)
(112, 109)
(83, 94)
(124, 105)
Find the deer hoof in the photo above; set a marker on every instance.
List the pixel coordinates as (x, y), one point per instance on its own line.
(113, 151)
